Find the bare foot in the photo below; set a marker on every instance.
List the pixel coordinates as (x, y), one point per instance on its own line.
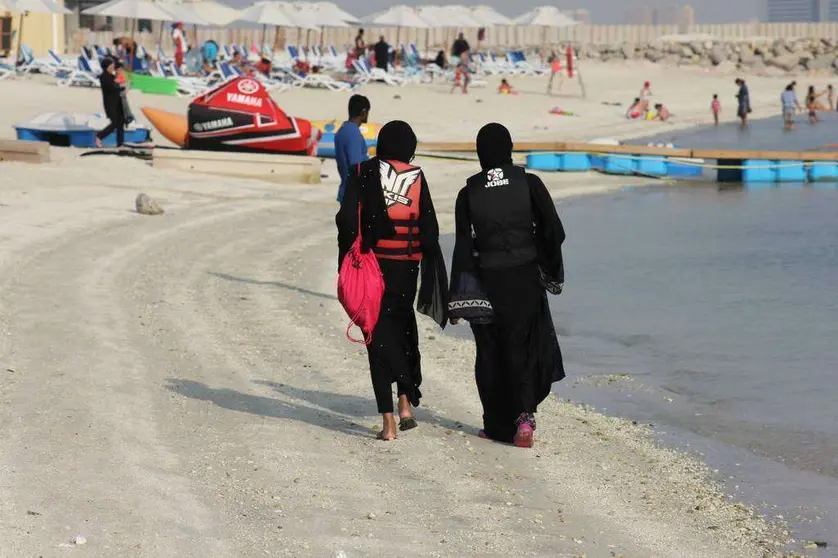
(388, 433)
(98, 142)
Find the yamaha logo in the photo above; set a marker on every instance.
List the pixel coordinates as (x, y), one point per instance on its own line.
(213, 125)
(495, 178)
(248, 86)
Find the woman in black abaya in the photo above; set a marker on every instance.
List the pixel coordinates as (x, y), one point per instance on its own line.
(508, 252)
(394, 351)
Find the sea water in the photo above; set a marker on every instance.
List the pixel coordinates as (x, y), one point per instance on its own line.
(713, 314)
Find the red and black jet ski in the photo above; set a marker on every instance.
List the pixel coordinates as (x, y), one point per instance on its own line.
(238, 115)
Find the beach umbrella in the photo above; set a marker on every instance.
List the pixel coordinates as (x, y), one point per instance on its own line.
(278, 14)
(183, 12)
(332, 9)
(131, 9)
(5, 7)
(214, 13)
(398, 17)
(546, 17)
(33, 6)
(323, 15)
(489, 17)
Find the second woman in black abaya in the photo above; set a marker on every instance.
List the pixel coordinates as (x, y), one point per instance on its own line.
(405, 239)
(509, 236)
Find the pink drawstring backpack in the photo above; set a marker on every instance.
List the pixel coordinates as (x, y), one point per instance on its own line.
(360, 288)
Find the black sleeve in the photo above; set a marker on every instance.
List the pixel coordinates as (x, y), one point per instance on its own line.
(347, 217)
(548, 229)
(428, 224)
(109, 84)
(463, 259)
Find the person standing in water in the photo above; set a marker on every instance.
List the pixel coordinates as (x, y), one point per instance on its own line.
(112, 101)
(399, 224)
(508, 238)
(350, 145)
(716, 107)
(743, 100)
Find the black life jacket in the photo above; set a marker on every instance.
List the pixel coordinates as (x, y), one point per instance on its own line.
(501, 215)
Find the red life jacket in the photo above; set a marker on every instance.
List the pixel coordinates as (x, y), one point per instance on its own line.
(402, 184)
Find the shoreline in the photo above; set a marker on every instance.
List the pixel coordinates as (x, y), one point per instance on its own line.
(197, 362)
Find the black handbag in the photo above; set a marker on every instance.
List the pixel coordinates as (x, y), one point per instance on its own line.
(469, 301)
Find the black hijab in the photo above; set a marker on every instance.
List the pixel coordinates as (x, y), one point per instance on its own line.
(396, 141)
(494, 146)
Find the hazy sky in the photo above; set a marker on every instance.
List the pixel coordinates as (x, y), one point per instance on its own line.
(602, 11)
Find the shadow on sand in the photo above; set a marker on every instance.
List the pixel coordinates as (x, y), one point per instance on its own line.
(269, 407)
(337, 412)
(278, 284)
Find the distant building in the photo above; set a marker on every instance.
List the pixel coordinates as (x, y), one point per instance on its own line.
(789, 11)
(581, 15)
(683, 17)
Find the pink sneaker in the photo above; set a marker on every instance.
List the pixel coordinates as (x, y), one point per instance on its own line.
(524, 437)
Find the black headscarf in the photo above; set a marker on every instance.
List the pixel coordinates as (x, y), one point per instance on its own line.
(396, 141)
(494, 146)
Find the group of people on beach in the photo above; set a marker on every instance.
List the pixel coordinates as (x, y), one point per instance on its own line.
(791, 105)
(507, 257)
(641, 108)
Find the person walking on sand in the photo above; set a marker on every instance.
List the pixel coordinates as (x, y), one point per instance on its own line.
(507, 255)
(350, 145)
(112, 101)
(399, 224)
(716, 107)
(743, 99)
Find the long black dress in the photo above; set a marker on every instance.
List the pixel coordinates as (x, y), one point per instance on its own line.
(518, 355)
(394, 351)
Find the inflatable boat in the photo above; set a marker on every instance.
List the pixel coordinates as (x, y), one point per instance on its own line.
(238, 115)
(328, 128)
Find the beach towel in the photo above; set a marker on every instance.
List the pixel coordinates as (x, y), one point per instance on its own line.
(360, 288)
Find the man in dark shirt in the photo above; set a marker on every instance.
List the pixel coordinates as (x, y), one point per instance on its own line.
(382, 53)
(460, 46)
(112, 101)
(743, 98)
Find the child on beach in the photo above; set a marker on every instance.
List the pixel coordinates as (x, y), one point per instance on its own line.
(505, 89)
(812, 105)
(462, 77)
(716, 107)
(633, 111)
(662, 113)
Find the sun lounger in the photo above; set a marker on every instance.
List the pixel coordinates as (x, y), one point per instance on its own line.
(81, 76)
(368, 74)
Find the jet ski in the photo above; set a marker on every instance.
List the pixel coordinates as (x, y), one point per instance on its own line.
(238, 115)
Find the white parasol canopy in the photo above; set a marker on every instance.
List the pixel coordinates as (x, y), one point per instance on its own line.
(488, 16)
(214, 13)
(546, 16)
(398, 16)
(131, 9)
(329, 11)
(183, 12)
(447, 16)
(37, 6)
(5, 7)
(280, 14)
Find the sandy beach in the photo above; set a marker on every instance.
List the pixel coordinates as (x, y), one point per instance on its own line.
(181, 385)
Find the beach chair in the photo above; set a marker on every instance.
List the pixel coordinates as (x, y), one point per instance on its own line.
(191, 86)
(368, 74)
(519, 61)
(6, 72)
(81, 76)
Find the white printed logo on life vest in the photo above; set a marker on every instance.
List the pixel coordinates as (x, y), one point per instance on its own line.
(213, 124)
(240, 99)
(495, 178)
(396, 186)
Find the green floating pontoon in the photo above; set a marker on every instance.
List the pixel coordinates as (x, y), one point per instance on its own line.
(153, 85)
